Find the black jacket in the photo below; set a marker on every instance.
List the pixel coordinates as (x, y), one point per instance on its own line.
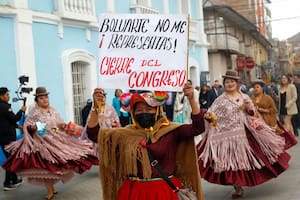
(85, 113)
(8, 123)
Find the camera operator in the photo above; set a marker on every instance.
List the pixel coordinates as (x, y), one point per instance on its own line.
(8, 125)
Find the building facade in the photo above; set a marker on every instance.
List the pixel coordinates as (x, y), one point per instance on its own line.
(234, 42)
(54, 43)
(257, 12)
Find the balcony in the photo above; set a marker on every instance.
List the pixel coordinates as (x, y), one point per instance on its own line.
(142, 9)
(82, 10)
(222, 41)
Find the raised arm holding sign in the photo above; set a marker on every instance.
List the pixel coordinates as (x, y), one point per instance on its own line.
(145, 52)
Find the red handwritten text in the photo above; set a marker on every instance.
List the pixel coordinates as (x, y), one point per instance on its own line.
(175, 78)
(115, 65)
(151, 63)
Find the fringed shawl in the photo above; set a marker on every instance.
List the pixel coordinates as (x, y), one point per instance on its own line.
(120, 151)
(55, 146)
(227, 146)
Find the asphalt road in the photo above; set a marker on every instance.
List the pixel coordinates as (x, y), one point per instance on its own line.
(87, 187)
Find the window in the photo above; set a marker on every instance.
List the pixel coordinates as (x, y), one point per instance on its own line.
(79, 69)
(79, 88)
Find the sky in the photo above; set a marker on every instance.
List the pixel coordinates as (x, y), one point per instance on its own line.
(285, 18)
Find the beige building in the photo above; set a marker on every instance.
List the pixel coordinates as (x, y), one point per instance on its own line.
(234, 42)
(285, 56)
(295, 41)
(257, 12)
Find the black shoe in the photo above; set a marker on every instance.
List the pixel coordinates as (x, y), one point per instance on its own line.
(9, 187)
(18, 182)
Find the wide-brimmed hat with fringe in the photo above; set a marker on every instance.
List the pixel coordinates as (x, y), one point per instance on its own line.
(153, 99)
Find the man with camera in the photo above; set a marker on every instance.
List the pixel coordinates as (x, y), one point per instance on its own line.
(8, 125)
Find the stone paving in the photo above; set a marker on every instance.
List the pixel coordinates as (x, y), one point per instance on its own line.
(87, 187)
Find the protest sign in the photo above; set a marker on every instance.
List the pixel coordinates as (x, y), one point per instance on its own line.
(143, 51)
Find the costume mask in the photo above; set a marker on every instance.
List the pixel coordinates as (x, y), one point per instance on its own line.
(145, 120)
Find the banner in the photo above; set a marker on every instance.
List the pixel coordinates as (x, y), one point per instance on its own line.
(143, 51)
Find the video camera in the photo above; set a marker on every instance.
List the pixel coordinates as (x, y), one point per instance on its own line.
(23, 80)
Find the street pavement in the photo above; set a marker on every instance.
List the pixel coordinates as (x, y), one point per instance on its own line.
(87, 187)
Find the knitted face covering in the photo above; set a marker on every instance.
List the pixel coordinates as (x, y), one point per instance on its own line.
(145, 120)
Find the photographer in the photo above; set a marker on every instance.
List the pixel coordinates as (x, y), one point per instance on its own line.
(8, 125)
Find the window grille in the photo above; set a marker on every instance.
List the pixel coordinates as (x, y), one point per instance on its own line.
(79, 88)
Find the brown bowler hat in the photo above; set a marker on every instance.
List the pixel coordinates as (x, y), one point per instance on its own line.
(41, 91)
(231, 74)
(258, 81)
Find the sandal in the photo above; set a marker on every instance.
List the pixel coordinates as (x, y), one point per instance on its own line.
(236, 194)
(49, 197)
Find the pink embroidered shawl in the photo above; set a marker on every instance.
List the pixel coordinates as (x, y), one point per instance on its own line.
(227, 145)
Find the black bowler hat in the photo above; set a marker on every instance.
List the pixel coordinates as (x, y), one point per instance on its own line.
(3, 90)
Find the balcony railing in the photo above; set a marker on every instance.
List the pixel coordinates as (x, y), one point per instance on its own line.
(142, 9)
(83, 10)
(222, 41)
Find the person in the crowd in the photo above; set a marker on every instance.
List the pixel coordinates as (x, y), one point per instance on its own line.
(296, 118)
(48, 153)
(216, 90)
(273, 88)
(205, 97)
(124, 116)
(116, 101)
(169, 105)
(178, 108)
(8, 125)
(85, 111)
(198, 89)
(186, 108)
(266, 107)
(244, 89)
(101, 112)
(125, 169)
(287, 101)
(238, 147)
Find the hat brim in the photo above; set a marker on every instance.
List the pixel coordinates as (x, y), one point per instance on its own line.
(145, 98)
(232, 77)
(262, 83)
(41, 94)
